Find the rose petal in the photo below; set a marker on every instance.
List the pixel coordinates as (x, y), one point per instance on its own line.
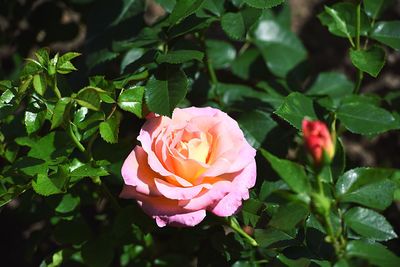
(173, 192)
(229, 205)
(239, 183)
(136, 172)
(164, 211)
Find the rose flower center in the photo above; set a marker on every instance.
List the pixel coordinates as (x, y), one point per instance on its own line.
(196, 147)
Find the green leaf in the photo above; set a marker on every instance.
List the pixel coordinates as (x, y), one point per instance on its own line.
(64, 66)
(370, 61)
(68, 203)
(216, 8)
(88, 97)
(341, 20)
(267, 188)
(256, 125)
(99, 57)
(43, 56)
(263, 3)
(184, 9)
(375, 253)
(299, 262)
(369, 224)
(292, 173)
(30, 166)
(60, 112)
(370, 187)
(34, 117)
(131, 100)
(236, 25)
(180, 56)
(269, 236)
(165, 90)
(39, 84)
(388, 33)
(333, 84)
(295, 108)
(250, 211)
(374, 8)
(51, 146)
(244, 64)
(281, 49)
(129, 9)
(109, 128)
(288, 216)
(87, 170)
(353, 116)
(131, 56)
(49, 185)
(189, 25)
(220, 54)
(233, 25)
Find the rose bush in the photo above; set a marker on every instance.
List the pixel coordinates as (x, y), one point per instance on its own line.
(197, 160)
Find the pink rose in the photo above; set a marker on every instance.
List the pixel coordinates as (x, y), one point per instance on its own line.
(197, 160)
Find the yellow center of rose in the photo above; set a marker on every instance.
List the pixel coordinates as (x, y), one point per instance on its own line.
(195, 148)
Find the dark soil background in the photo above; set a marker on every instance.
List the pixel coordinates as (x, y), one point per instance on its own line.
(67, 25)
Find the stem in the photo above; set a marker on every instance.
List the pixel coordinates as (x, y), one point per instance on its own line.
(75, 139)
(55, 88)
(360, 75)
(233, 223)
(211, 71)
(327, 219)
(210, 68)
(107, 193)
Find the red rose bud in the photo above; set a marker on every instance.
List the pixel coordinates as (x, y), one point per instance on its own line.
(318, 141)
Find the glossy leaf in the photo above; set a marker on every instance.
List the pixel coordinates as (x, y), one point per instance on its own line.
(39, 84)
(288, 216)
(131, 100)
(180, 56)
(34, 117)
(50, 185)
(295, 108)
(370, 61)
(375, 253)
(352, 115)
(237, 24)
(369, 224)
(292, 173)
(220, 54)
(374, 8)
(109, 128)
(333, 84)
(256, 125)
(64, 66)
(165, 90)
(270, 235)
(388, 33)
(89, 97)
(263, 3)
(68, 203)
(60, 112)
(280, 48)
(340, 19)
(183, 9)
(366, 186)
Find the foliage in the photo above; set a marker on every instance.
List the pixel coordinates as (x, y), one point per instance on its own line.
(62, 146)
